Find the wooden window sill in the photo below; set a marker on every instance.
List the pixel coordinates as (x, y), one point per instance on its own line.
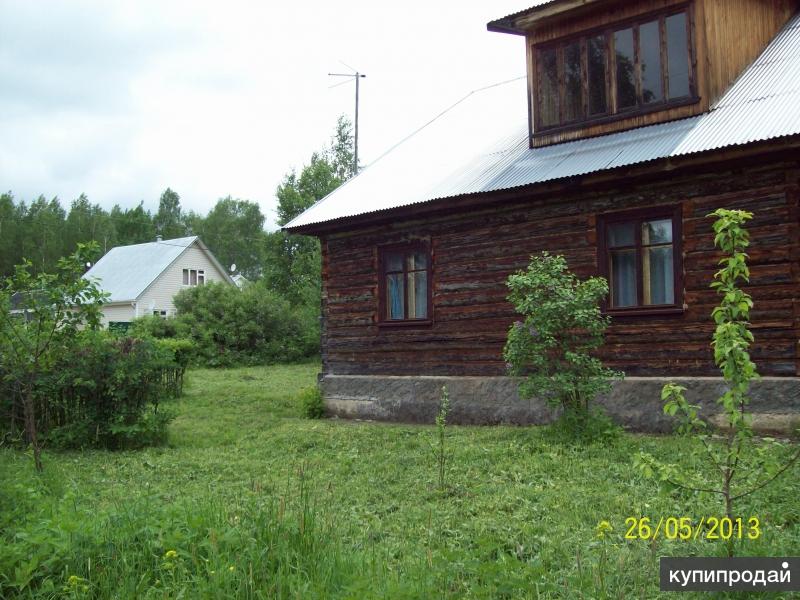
(629, 113)
(640, 311)
(409, 323)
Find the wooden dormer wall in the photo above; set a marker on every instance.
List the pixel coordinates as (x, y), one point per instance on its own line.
(737, 31)
(728, 35)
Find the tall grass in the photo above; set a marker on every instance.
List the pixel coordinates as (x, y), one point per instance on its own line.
(262, 546)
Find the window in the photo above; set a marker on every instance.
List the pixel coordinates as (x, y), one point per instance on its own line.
(405, 292)
(194, 277)
(640, 257)
(160, 313)
(641, 66)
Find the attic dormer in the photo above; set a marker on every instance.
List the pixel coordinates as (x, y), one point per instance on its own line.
(600, 66)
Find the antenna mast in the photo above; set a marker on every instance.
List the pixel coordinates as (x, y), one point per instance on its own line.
(357, 77)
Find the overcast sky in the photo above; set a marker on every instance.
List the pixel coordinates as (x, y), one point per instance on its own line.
(120, 100)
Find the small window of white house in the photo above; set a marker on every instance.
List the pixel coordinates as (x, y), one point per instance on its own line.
(194, 277)
(160, 313)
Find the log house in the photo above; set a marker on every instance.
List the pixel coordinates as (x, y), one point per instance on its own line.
(642, 118)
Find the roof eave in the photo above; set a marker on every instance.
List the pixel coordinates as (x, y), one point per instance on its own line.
(522, 22)
(504, 25)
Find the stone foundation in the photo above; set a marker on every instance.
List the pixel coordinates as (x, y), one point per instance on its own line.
(635, 403)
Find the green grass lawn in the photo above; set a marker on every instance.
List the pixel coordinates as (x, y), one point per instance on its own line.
(250, 500)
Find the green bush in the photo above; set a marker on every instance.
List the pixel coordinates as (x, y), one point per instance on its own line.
(312, 403)
(250, 326)
(103, 391)
(553, 348)
(154, 326)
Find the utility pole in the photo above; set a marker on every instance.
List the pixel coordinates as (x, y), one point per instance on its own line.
(357, 77)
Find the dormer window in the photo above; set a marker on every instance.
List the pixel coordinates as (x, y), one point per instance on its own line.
(633, 67)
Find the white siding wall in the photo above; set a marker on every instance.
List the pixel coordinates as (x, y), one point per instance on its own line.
(117, 312)
(170, 282)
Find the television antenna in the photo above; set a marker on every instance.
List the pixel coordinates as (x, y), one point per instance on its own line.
(357, 76)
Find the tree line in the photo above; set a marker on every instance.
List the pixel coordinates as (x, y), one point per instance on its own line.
(43, 231)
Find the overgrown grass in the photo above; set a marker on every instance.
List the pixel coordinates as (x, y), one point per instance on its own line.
(257, 502)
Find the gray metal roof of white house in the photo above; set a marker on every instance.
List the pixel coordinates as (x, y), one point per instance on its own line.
(480, 144)
(127, 271)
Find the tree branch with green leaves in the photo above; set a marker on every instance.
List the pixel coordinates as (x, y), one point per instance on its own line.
(737, 457)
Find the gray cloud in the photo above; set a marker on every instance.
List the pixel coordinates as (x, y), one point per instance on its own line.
(58, 56)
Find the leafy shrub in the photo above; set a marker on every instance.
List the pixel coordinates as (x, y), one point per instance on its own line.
(52, 309)
(105, 391)
(312, 403)
(250, 326)
(154, 326)
(552, 348)
(176, 355)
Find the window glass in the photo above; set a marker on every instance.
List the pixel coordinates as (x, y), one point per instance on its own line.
(418, 295)
(658, 275)
(626, 72)
(596, 50)
(623, 278)
(395, 293)
(394, 261)
(406, 280)
(573, 98)
(621, 234)
(650, 57)
(417, 260)
(548, 87)
(677, 56)
(201, 277)
(657, 232)
(637, 67)
(640, 262)
(186, 277)
(193, 277)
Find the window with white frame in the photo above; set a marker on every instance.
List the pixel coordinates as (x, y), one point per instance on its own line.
(194, 277)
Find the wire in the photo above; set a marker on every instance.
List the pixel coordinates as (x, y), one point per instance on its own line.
(335, 85)
(418, 129)
(444, 112)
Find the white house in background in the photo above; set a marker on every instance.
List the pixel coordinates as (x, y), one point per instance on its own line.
(240, 280)
(143, 279)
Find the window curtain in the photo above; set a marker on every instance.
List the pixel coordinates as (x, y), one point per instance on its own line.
(395, 287)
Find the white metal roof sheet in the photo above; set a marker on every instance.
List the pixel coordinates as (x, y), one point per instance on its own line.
(480, 144)
(126, 271)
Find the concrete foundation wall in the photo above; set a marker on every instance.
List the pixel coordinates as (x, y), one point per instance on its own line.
(635, 403)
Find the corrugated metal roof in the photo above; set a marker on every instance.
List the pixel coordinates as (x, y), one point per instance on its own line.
(126, 271)
(480, 144)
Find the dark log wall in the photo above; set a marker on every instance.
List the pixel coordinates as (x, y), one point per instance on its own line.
(475, 250)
